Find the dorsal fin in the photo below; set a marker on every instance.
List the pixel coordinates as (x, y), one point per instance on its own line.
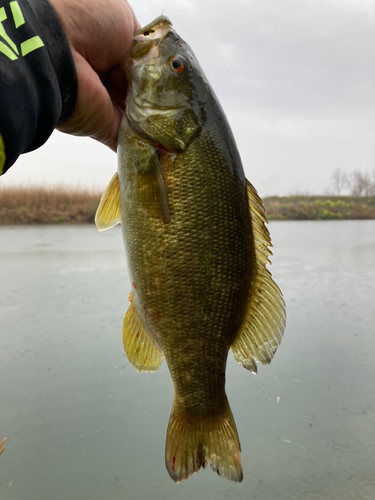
(264, 323)
(108, 213)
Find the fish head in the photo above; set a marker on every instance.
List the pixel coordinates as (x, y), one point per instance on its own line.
(166, 86)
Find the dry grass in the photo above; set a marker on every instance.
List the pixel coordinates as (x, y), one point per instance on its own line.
(61, 205)
(42, 205)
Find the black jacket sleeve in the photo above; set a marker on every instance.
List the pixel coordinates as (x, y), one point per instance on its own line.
(38, 85)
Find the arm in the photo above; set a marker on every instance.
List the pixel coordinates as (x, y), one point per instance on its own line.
(70, 80)
(37, 77)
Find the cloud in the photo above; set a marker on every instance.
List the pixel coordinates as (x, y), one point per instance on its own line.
(296, 79)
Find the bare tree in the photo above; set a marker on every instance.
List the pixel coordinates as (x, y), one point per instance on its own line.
(369, 185)
(372, 190)
(360, 184)
(339, 180)
(357, 183)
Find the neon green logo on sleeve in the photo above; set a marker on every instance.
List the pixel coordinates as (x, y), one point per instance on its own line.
(17, 14)
(7, 46)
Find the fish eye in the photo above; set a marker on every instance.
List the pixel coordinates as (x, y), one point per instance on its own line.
(177, 65)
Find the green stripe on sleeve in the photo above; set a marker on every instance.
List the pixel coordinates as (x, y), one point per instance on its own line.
(31, 44)
(17, 14)
(7, 51)
(3, 34)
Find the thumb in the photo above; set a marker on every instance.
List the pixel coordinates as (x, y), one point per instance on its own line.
(95, 114)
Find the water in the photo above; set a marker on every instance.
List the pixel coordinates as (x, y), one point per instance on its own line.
(82, 423)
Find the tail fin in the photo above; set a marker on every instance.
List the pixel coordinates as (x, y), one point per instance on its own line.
(192, 443)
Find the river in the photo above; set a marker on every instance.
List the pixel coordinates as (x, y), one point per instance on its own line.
(82, 424)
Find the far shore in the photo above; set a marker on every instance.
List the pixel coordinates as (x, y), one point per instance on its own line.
(320, 207)
(42, 205)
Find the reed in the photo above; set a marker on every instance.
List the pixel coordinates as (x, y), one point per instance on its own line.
(47, 205)
(64, 205)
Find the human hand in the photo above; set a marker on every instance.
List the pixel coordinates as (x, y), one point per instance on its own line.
(100, 35)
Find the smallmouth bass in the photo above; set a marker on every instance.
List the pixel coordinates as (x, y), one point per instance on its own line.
(196, 245)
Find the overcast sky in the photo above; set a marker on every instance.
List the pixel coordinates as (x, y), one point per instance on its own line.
(296, 79)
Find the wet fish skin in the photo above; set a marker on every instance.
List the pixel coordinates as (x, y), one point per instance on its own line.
(191, 248)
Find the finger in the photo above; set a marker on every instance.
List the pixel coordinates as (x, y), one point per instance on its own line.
(118, 78)
(118, 100)
(94, 114)
(116, 85)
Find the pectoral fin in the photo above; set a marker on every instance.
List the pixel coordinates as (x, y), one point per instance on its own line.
(108, 213)
(264, 323)
(151, 185)
(139, 347)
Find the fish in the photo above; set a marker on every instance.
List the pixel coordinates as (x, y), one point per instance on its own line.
(196, 246)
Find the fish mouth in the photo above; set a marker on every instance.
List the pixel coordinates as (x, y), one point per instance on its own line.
(147, 40)
(157, 28)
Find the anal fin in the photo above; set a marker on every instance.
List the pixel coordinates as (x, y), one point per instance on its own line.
(139, 347)
(264, 322)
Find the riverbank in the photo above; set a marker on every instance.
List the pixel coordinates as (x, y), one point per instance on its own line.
(319, 207)
(60, 205)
